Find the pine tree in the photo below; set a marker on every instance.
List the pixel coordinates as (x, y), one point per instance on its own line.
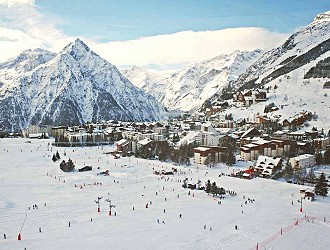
(214, 188)
(54, 158)
(318, 158)
(230, 144)
(58, 155)
(326, 158)
(321, 187)
(70, 164)
(288, 171)
(208, 186)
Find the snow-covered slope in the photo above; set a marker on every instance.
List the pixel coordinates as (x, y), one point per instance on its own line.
(72, 87)
(188, 88)
(301, 51)
(299, 69)
(33, 178)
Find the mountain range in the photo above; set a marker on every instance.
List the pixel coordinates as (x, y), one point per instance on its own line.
(72, 87)
(76, 85)
(188, 88)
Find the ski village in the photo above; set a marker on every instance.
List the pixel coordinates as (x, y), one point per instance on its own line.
(228, 153)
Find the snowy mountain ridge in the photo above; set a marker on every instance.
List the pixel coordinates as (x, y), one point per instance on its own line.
(295, 75)
(303, 49)
(73, 87)
(188, 88)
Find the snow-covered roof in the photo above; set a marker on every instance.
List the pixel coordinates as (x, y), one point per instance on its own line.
(261, 142)
(189, 138)
(267, 163)
(121, 142)
(144, 141)
(202, 148)
(303, 157)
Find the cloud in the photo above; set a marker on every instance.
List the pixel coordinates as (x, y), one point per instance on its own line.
(187, 46)
(25, 27)
(13, 3)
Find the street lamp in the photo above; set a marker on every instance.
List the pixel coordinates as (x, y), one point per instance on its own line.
(301, 205)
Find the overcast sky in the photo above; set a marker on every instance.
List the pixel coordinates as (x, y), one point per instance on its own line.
(152, 33)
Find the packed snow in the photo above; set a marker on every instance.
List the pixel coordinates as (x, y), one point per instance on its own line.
(260, 209)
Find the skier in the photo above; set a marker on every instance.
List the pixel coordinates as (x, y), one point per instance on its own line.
(211, 228)
(204, 226)
(133, 207)
(180, 215)
(164, 211)
(4, 236)
(147, 205)
(69, 224)
(158, 221)
(39, 229)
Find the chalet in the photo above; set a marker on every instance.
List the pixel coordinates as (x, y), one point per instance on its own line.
(265, 166)
(302, 161)
(308, 193)
(250, 97)
(204, 155)
(252, 132)
(123, 147)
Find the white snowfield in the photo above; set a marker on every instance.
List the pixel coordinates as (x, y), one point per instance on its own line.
(28, 177)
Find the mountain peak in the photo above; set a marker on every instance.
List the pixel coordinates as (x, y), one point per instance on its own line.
(325, 16)
(77, 46)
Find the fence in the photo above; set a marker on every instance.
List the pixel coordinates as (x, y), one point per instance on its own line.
(287, 229)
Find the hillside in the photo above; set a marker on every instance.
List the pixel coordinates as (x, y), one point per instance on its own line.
(187, 89)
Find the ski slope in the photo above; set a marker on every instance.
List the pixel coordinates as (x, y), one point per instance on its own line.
(28, 176)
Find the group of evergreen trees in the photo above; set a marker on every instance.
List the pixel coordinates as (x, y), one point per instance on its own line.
(214, 189)
(299, 176)
(321, 187)
(67, 166)
(230, 144)
(164, 152)
(320, 158)
(56, 156)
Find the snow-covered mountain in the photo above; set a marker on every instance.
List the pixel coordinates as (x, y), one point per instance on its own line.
(72, 87)
(294, 58)
(188, 88)
(148, 81)
(295, 74)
